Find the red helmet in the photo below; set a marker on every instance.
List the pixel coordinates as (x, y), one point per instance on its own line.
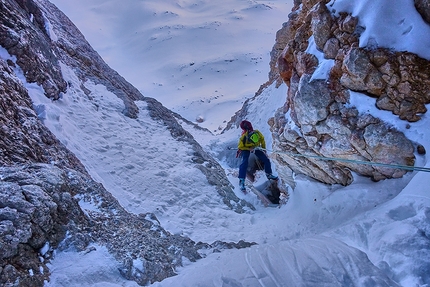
(246, 126)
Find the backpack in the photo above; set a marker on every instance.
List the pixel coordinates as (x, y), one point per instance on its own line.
(253, 137)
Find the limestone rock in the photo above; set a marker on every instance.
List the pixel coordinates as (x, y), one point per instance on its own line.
(322, 122)
(321, 25)
(311, 101)
(360, 74)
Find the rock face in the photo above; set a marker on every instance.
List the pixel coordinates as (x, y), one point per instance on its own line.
(39, 205)
(317, 119)
(42, 184)
(23, 138)
(16, 37)
(423, 8)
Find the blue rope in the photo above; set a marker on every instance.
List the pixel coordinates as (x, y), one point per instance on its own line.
(396, 166)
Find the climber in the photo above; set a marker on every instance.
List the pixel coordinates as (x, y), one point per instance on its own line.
(252, 141)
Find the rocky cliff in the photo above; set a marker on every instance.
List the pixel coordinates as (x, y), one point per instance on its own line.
(317, 119)
(42, 184)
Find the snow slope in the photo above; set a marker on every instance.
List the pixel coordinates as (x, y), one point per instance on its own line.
(366, 234)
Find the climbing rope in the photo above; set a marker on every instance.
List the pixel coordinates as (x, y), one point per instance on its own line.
(395, 166)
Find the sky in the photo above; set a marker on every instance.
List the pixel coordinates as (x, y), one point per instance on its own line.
(365, 234)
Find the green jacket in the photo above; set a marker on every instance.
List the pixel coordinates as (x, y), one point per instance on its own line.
(246, 144)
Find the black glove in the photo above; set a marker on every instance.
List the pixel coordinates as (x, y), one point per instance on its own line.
(238, 153)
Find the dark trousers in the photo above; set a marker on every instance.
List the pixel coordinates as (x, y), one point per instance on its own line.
(244, 165)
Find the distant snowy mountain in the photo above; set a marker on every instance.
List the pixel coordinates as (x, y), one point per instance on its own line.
(184, 52)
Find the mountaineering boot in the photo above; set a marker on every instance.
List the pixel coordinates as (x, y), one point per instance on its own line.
(271, 176)
(242, 184)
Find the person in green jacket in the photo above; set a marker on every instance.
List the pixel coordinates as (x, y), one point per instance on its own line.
(250, 141)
